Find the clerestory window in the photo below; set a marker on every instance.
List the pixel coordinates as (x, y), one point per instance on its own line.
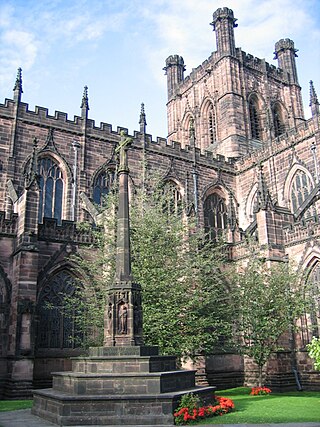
(102, 186)
(51, 190)
(173, 198)
(301, 187)
(215, 216)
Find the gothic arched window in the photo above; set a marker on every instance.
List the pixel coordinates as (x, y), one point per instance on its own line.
(102, 185)
(212, 125)
(255, 126)
(56, 327)
(278, 121)
(315, 297)
(215, 216)
(301, 187)
(173, 198)
(51, 190)
(310, 321)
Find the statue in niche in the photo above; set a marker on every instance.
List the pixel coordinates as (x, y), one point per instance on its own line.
(109, 318)
(122, 318)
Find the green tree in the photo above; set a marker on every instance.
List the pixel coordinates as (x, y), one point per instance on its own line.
(272, 298)
(187, 309)
(314, 352)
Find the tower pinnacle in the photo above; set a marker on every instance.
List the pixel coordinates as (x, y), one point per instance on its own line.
(314, 103)
(223, 24)
(286, 54)
(85, 103)
(17, 90)
(142, 121)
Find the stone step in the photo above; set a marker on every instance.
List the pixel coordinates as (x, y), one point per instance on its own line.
(124, 351)
(153, 409)
(123, 364)
(125, 383)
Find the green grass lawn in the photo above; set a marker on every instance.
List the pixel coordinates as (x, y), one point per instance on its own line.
(12, 405)
(303, 406)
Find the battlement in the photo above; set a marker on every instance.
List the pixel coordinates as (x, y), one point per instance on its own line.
(8, 226)
(68, 231)
(292, 137)
(41, 117)
(301, 232)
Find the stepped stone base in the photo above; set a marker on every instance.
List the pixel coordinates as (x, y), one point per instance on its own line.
(118, 386)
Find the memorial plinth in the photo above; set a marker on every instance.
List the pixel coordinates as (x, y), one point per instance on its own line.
(124, 382)
(118, 386)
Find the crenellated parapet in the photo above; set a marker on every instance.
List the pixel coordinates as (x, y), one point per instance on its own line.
(8, 226)
(301, 232)
(290, 138)
(68, 231)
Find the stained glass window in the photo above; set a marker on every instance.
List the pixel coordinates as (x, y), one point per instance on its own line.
(215, 216)
(102, 186)
(173, 198)
(301, 187)
(51, 190)
(56, 327)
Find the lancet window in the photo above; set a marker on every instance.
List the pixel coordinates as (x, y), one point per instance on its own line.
(51, 190)
(56, 325)
(215, 216)
(102, 186)
(278, 122)
(212, 125)
(310, 321)
(173, 198)
(255, 126)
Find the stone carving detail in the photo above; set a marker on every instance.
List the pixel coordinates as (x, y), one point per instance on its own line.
(122, 318)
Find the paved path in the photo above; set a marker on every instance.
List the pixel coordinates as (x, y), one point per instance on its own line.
(24, 418)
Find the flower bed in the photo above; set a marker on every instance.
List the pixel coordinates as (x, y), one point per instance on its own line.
(260, 391)
(189, 409)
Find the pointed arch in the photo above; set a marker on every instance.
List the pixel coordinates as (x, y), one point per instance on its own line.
(186, 126)
(215, 212)
(255, 117)
(279, 117)
(208, 116)
(298, 186)
(310, 320)
(103, 182)
(174, 196)
(57, 329)
(251, 202)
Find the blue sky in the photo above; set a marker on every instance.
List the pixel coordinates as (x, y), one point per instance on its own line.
(118, 49)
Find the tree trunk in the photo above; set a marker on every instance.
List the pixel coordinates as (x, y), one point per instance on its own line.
(260, 375)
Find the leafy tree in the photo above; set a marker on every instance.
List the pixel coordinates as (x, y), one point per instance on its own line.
(187, 309)
(272, 298)
(314, 352)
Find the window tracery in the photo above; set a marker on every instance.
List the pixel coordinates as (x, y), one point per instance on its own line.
(212, 125)
(51, 190)
(103, 185)
(173, 198)
(215, 216)
(56, 329)
(301, 187)
(255, 126)
(310, 321)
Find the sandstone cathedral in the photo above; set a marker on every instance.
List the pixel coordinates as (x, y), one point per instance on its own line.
(240, 157)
